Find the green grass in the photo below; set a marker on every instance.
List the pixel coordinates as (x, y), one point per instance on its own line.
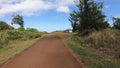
(90, 57)
(13, 48)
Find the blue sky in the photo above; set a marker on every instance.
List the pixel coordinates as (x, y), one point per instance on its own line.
(48, 15)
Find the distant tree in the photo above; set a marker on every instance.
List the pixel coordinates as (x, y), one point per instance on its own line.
(32, 30)
(18, 19)
(90, 15)
(5, 26)
(74, 21)
(116, 23)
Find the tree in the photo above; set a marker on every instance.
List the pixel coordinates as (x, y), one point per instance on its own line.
(90, 15)
(74, 21)
(5, 26)
(116, 23)
(18, 19)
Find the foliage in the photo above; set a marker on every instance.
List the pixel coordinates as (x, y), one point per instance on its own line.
(4, 38)
(5, 26)
(116, 23)
(21, 29)
(89, 15)
(33, 33)
(15, 34)
(32, 30)
(18, 19)
(74, 21)
(11, 35)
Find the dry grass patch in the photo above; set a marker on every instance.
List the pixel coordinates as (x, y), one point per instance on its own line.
(107, 41)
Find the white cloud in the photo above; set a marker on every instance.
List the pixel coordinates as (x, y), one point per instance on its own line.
(25, 7)
(63, 9)
(63, 5)
(32, 7)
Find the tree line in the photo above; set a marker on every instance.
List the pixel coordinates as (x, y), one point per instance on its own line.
(90, 17)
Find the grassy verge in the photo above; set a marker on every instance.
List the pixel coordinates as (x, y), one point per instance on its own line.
(90, 57)
(13, 48)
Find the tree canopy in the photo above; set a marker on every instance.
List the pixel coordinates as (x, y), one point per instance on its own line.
(18, 19)
(89, 15)
(116, 23)
(74, 21)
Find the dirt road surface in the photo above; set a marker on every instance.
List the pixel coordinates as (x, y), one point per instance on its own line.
(49, 52)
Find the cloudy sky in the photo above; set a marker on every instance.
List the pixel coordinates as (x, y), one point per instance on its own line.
(47, 15)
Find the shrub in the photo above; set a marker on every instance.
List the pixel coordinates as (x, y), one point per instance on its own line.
(15, 34)
(5, 26)
(30, 35)
(18, 34)
(32, 30)
(33, 33)
(21, 29)
(4, 38)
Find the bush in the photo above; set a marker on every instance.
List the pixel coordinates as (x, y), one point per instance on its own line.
(4, 38)
(5, 26)
(33, 33)
(19, 34)
(32, 30)
(30, 35)
(21, 29)
(15, 34)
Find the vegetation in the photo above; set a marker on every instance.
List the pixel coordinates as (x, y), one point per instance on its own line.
(11, 38)
(89, 16)
(106, 41)
(18, 19)
(98, 46)
(5, 26)
(8, 33)
(11, 35)
(116, 23)
(74, 21)
(13, 48)
(99, 49)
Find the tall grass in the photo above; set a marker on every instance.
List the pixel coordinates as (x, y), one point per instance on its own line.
(107, 41)
(90, 57)
(100, 49)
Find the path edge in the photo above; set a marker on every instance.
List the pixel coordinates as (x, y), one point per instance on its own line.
(74, 55)
(10, 59)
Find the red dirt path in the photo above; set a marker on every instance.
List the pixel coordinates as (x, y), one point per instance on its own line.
(49, 52)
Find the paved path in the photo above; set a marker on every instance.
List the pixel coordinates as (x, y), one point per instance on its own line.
(49, 52)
